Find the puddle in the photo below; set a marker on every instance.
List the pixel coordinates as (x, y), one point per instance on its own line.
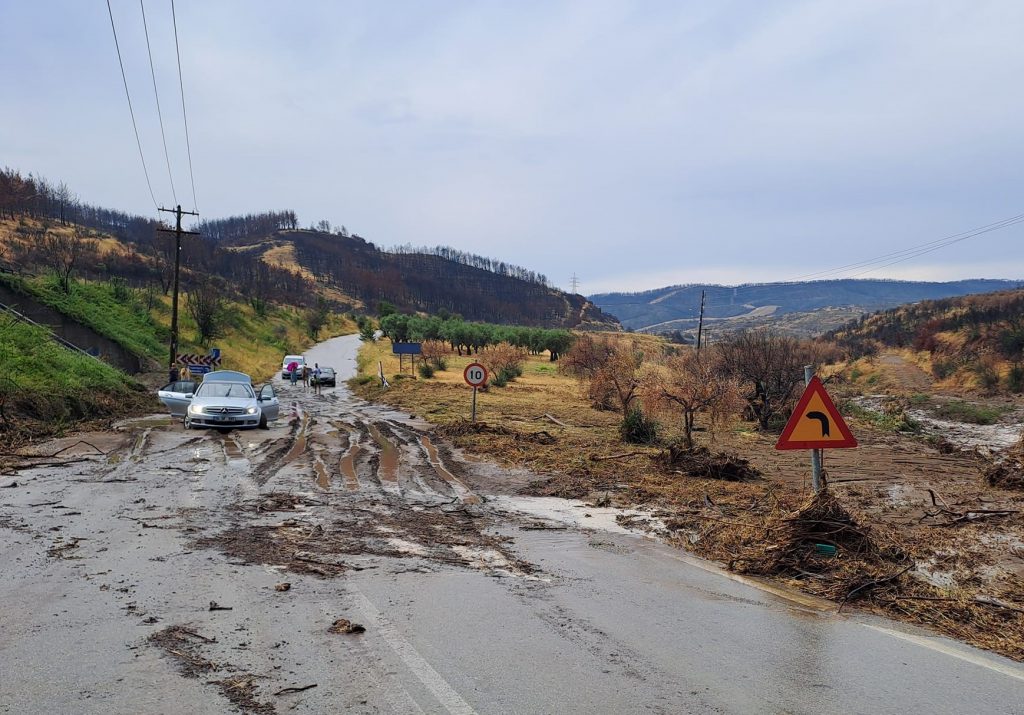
(299, 445)
(465, 494)
(348, 467)
(233, 451)
(388, 455)
(323, 477)
(573, 512)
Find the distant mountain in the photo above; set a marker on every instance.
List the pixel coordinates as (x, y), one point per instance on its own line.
(678, 307)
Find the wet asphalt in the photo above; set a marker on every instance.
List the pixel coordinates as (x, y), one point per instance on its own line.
(100, 553)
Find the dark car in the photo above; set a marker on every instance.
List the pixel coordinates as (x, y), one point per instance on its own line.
(327, 377)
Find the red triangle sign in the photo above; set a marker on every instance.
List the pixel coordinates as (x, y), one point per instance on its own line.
(815, 423)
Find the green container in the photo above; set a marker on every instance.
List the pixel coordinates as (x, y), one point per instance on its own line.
(825, 549)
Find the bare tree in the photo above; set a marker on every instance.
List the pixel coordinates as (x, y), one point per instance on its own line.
(610, 367)
(316, 317)
(768, 367)
(691, 383)
(206, 306)
(62, 251)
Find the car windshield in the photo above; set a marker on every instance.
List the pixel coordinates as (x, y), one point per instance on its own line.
(224, 389)
(295, 358)
(327, 370)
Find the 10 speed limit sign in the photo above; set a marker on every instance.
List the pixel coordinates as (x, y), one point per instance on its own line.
(475, 374)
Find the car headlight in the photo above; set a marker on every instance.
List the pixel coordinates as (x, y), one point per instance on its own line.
(251, 411)
(194, 410)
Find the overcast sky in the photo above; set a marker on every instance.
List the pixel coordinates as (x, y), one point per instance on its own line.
(635, 144)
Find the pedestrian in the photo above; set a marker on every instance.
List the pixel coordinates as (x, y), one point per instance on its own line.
(305, 376)
(293, 371)
(183, 374)
(316, 377)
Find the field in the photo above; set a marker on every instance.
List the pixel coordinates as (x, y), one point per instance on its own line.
(918, 532)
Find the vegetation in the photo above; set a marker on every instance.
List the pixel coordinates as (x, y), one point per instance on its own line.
(472, 337)
(45, 382)
(960, 411)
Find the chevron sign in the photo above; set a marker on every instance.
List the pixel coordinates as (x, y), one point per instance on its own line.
(193, 359)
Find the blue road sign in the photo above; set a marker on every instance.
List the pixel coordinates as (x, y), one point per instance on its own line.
(406, 348)
(199, 369)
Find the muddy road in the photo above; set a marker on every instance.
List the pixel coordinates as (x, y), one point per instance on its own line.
(153, 570)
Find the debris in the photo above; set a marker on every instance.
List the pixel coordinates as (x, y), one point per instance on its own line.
(464, 427)
(344, 625)
(12, 485)
(1008, 474)
(623, 455)
(287, 691)
(700, 462)
(555, 420)
(285, 586)
(214, 606)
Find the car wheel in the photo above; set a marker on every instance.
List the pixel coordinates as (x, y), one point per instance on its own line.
(185, 421)
(263, 421)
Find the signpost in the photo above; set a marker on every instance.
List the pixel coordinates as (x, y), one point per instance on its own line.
(815, 425)
(475, 376)
(403, 349)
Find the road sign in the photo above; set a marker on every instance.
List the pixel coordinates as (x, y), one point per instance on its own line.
(199, 369)
(815, 423)
(194, 359)
(475, 375)
(406, 348)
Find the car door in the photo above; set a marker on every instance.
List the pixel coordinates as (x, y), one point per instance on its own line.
(176, 396)
(268, 402)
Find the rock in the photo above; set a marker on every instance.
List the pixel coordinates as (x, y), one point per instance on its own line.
(344, 625)
(283, 586)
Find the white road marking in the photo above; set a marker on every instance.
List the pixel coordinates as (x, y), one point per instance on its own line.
(446, 695)
(939, 646)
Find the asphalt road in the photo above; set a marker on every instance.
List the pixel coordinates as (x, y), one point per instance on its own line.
(474, 600)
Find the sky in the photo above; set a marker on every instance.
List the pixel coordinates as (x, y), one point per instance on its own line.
(633, 144)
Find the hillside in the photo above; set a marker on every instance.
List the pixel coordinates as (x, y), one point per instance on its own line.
(753, 304)
(267, 258)
(974, 341)
(361, 274)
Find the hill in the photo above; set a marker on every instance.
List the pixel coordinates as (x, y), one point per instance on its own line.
(752, 304)
(267, 257)
(974, 341)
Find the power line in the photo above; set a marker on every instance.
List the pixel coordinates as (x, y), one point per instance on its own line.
(159, 114)
(188, 146)
(135, 126)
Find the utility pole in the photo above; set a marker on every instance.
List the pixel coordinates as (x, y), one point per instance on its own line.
(575, 284)
(178, 233)
(700, 322)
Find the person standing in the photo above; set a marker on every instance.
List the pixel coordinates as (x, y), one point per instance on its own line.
(317, 373)
(293, 371)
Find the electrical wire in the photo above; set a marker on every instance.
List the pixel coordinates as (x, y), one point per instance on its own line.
(135, 126)
(159, 114)
(181, 85)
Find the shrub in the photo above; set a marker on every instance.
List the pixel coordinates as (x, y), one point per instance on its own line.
(426, 370)
(434, 351)
(960, 411)
(1015, 379)
(504, 357)
(638, 428)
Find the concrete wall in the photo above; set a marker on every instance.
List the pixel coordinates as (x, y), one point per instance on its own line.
(76, 333)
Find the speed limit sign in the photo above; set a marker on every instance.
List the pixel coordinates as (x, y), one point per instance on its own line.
(475, 375)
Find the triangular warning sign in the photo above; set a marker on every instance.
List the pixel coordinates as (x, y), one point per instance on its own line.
(815, 423)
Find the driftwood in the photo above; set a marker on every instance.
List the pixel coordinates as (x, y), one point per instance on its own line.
(286, 691)
(556, 420)
(598, 458)
(872, 584)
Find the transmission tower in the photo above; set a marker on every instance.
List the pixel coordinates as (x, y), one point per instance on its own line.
(575, 284)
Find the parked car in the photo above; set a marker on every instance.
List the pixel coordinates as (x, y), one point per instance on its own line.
(327, 377)
(300, 360)
(226, 399)
(176, 396)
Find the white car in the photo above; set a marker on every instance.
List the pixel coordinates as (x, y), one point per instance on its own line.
(288, 360)
(226, 399)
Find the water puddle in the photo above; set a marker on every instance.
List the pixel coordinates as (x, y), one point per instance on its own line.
(323, 477)
(575, 513)
(301, 437)
(464, 493)
(388, 455)
(348, 467)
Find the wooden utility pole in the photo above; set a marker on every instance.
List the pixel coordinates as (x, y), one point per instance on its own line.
(700, 322)
(178, 233)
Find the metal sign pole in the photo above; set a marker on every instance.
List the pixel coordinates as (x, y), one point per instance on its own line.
(474, 406)
(815, 453)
